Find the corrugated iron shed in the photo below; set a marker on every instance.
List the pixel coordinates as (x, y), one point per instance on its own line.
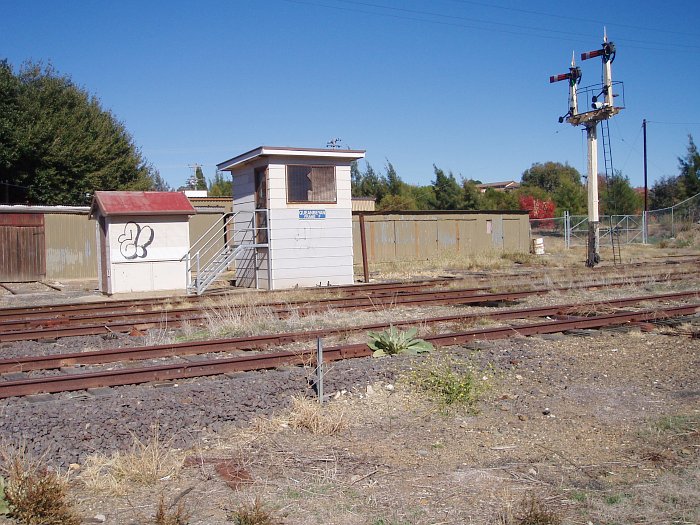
(110, 203)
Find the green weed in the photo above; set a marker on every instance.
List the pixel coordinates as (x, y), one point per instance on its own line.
(448, 382)
(394, 342)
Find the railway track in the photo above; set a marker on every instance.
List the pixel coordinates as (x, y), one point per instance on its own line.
(258, 342)
(127, 376)
(167, 303)
(21, 328)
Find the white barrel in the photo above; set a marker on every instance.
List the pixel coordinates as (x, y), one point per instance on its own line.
(538, 246)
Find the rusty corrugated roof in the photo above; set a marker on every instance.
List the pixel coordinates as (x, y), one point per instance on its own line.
(110, 203)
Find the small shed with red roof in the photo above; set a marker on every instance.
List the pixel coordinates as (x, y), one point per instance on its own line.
(142, 238)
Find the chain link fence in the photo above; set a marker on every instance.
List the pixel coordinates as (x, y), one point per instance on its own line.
(668, 223)
(652, 227)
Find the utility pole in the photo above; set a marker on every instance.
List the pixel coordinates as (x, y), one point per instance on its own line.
(600, 110)
(192, 181)
(646, 186)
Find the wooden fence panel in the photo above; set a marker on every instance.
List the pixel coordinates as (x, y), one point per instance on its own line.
(22, 247)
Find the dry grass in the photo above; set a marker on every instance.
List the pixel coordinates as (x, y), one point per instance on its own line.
(35, 495)
(439, 265)
(173, 514)
(305, 414)
(254, 514)
(144, 464)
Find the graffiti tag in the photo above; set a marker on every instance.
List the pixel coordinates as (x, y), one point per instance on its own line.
(134, 241)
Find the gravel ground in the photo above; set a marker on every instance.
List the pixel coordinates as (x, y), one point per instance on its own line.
(557, 401)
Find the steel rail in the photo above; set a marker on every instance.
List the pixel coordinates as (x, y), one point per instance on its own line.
(126, 323)
(92, 306)
(68, 382)
(360, 288)
(36, 321)
(47, 362)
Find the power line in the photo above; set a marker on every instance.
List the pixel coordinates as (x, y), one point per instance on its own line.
(455, 21)
(578, 19)
(673, 123)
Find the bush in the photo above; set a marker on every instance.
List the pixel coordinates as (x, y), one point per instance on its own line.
(253, 514)
(448, 382)
(36, 495)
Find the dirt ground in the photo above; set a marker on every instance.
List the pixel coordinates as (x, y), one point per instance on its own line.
(599, 428)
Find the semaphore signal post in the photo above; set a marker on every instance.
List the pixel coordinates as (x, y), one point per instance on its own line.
(599, 111)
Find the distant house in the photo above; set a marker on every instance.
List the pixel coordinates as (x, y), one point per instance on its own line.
(363, 203)
(508, 185)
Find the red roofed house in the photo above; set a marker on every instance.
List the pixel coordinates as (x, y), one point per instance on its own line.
(142, 237)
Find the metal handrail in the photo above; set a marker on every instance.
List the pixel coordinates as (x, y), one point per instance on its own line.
(207, 249)
(221, 229)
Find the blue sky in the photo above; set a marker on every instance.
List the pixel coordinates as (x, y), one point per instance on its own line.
(457, 83)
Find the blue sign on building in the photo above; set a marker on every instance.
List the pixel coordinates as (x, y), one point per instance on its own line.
(312, 214)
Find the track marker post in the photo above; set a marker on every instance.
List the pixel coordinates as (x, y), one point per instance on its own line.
(319, 370)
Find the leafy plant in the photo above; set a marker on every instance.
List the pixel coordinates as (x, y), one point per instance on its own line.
(394, 342)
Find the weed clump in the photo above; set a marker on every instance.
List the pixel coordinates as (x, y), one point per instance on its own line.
(145, 464)
(530, 511)
(448, 382)
(166, 515)
(35, 495)
(254, 514)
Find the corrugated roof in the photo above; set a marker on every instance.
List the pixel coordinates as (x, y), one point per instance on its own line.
(141, 203)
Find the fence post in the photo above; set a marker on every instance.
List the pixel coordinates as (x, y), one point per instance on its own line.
(319, 369)
(567, 229)
(673, 234)
(644, 227)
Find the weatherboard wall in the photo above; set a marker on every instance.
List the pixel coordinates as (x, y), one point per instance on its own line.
(310, 243)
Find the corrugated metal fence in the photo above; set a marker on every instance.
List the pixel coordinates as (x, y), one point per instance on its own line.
(70, 240)
(423, 235)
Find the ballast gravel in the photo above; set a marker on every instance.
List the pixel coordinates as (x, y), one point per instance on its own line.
(67, 427)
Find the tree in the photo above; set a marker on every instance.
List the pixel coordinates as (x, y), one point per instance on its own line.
(199, 183)
(471, 195)
(499, 200)
(368, 184)
(570, 196)
(689, 167)
(666, 192)
(220, 186)
(159, 183)
(394, 184)
(58, 143)
(550, 175)
(397, 203)
(448, 194)
(423, 196)
(618, 197)
(355, 179)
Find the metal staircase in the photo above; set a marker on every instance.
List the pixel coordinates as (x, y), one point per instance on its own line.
(215, 251)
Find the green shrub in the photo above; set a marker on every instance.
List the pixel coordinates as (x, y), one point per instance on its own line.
(394, 342)
(448, 382)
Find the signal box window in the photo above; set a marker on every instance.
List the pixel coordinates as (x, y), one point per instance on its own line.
(311, 184)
